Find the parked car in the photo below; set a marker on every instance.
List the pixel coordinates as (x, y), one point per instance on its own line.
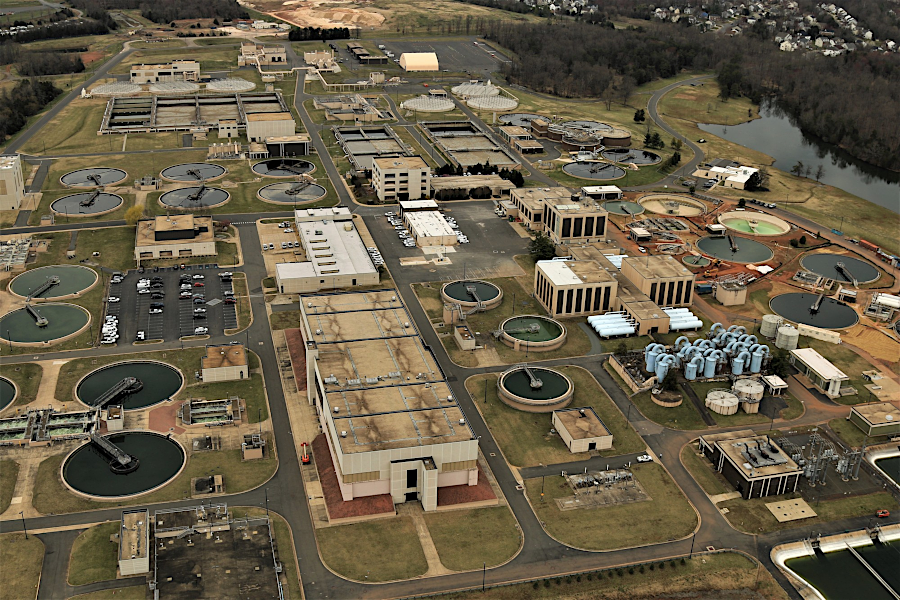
(230, 301)
(200, 330)
(199, 284)
(198, 277)
(157, 295)
(112, 299)
(157, 305)
(144, 291)
(644, 458)
(882, 513)
(199, 315)
(226, 274)
(155, 311)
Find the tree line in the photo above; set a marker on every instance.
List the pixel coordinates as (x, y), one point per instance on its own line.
(166, 11)
(302, 34)
(30, 64)
(27, 98)
(64, 29)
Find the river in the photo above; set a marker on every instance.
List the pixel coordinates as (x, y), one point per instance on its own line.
(774, 134)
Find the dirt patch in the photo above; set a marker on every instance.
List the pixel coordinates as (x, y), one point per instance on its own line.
(90, 57)
(687, 96)
(321, 13)
(875, 343)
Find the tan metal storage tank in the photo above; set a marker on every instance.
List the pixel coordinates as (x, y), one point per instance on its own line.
(787, 337)
(748, 389)
(722, 402)
(770, 325)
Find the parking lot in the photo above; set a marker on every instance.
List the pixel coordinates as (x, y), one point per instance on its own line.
(456, 57)
(134, 308)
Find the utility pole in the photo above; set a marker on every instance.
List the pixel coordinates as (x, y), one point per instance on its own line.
(25, 529)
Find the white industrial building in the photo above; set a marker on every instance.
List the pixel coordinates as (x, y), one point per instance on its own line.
(419, 61)
(392, 423)
(401, 178)
(335, 255)
(12, 182)
(735, 176)
(224, 363)
(429, 228)
(134, 542)
(269, 125)
(177, 70)
(820, 371)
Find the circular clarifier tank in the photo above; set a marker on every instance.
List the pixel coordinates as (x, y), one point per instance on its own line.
(801, 308)
(73, 280)
(535, 389)
(623, 207)
(631, 156)
(594, 170)
(160, 382)
(159, 459)
(283, 167)
(193, 172)
(533, 333)
(826, 265)
(8, 392)
(468, 293)
(754, 223)
(743, 250)
(60, 321)
(673, 205)
(86, 204)
(93, 177)
(194, 198)
(693, 260)
(519, 119)
(289, 193)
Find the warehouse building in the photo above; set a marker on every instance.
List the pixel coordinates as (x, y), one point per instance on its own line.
(582, 430)
(224, 363)
(754, 464)
(174, 236)
(392, 423)
(12, 182)
(571, 288)
(419, 61)
(177, 70)
(876, 418)
(261, 126)
(429, 228)
(400, 178)
(663, 279)
(336, 256)
(602, 192)
(826, 377)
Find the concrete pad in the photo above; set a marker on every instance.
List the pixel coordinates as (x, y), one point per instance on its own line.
(791, 510)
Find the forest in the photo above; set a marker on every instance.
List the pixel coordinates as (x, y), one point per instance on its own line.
(166, 11)
(849, 101)
(27, 98)
(64, 29)
(302, 34)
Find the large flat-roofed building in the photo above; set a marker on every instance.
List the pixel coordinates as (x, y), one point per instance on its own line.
(257, 54)
(460, 186)
(419, 61)
(565, 217)
(12, 182)
(174, 236)
(529, 203)
(392, 422)
(520, 139)
(285, 146)
(429, 228)
(646, 314)
(411, 206)
(731, 176)
(602, 192)
(401, 178)
(663, 279)
(177, 70)
(224, 363)
(570, 288)
(134, 542)
(582, 430)
(336, 256)
(821, 372)
(263, 125)
(876, 418)
(754, 464)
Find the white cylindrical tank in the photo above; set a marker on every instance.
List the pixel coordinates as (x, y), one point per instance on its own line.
(770, 325)
(748, 389)
(722, 402)
(887, 300)
(787, 337)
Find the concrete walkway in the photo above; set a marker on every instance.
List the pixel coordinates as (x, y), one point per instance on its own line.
(46, 394)
(415, 512)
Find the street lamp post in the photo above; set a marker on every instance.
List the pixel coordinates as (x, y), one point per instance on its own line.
(25, 529)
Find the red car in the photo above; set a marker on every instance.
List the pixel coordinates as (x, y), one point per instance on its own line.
(881, 514)
(198, 284)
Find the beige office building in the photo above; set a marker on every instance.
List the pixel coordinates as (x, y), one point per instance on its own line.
(267, 125)
(12, 182)
(401, 178)
(429, 228)
(224, 363)
(174, 236)
(663, 279)
(177, 70)
(570, 288)
(564, 216)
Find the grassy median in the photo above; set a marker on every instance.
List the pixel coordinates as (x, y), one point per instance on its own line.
(379, 550)
(470, 539)
(9, 473)
(21, 560)
(94, 556)
(702, 472)
(27, 377)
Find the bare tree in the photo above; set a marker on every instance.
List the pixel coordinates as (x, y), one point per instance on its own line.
(820, 172)
(626, 87)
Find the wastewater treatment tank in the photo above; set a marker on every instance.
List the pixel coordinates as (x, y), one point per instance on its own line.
(722, 402)
(814, 310)
(623, 207)
(840, 574)
(890, 465)
(769, 325)
(748, 389)
(289, 193)
(283, 167)
(72, 280)
(594, 170)
(787, 337)
(86, 204)
(91, 471)
(532, 333)
(193, 172)
(826, 265)
(754, 223)
(194, 198)
(8, 392)
(93, 177)
(676, 205)
(468, 293)
(160, 382)
(60, 321)
(631, 156)
(693, 260)
(519, 119)
(733, 248)
(535, 389)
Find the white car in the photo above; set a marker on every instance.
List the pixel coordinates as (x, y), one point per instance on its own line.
(144, 291)
(200, 330)
(226, 274)
(198, 277)
(112, 299)
(141, 335)
(155, 311)
(645, 458)
(288, 231)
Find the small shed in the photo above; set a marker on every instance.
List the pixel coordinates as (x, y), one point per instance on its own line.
(582, 430)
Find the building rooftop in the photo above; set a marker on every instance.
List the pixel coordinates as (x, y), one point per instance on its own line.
(8, 161)
(819, 364)
(417, 204)
(269, 116)
(391, 399)
(754, 455)
(400, 162)
(470, 182)
(574, 272)
(429, 223)
(372, 323)
(337, 213)
(596, 251)
(181, 63)
(334, 248)
(404, 429)
(351, 302)
(147, 229)
(224, 356)
(657, 267)
(879, 413)
(515, 131)
(536, 197)
(600, 189)
(134, 534)
(376, 363)
(278, 139)
(582, 423)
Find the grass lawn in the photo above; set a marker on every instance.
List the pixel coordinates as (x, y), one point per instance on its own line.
(469, 539)
(22, 561)
(753, 517)
(135, 592)
(702, 471)
(701, 104)
(51, 496)
(667, 516)
(27, 376)
(286, 319)
(525, 437)
(74, 131)
(242, 294)
(9, 472)
(852, 435)
(706, 577)
(683, 417)
(381, 550)
(849, 362)
(284, 542)
(210, 59)
(94, 557)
